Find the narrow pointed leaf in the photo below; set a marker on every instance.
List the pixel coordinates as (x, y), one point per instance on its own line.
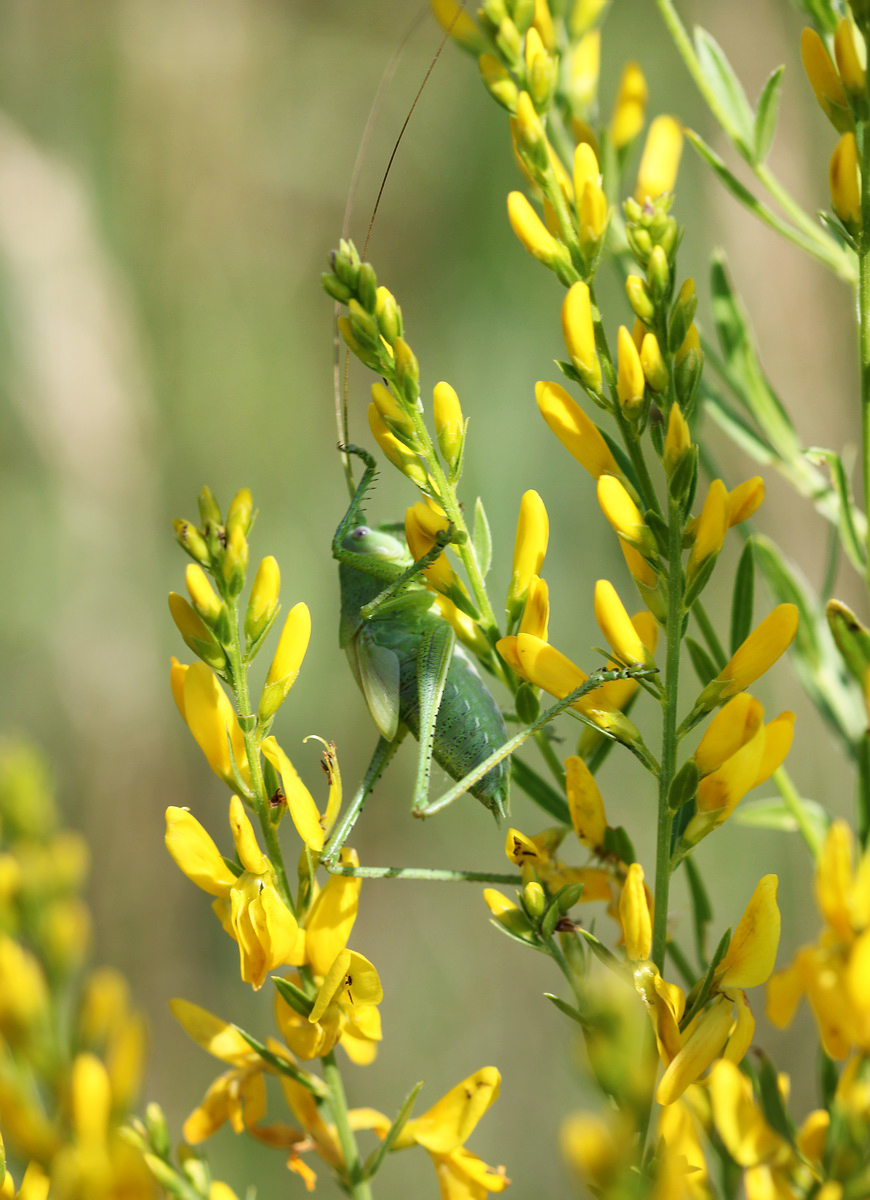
(376, 1158)
(766, 115)
(734, 110)
(742, 597)
(704, 666)
(481, 538)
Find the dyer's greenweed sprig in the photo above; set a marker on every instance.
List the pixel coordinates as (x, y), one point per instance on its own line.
(326, 994)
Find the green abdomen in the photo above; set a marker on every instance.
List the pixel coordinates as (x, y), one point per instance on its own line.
(469, 726)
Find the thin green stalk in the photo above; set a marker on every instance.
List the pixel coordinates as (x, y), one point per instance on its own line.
(794, 804)
(562, 963)
(814, 241)
(864, 325)
(357, 1185)
(669, 734)
(252, 751)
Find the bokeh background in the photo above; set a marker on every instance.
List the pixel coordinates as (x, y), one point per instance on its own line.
(173, 174)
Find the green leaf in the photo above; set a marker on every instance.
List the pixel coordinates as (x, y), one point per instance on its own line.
(481, 538)
(702, 910)
(310, 1082)
(848, 531)
(745, 374)
(564, 1007)
(771, 812)
(770, 1097)
(742, 597)
(766, 114)
(377, 1156)
(704, 666)
(734, 110)
(540, 790)
(294, 995)
(741, 434)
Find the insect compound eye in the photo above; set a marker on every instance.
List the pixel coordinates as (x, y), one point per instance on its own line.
(360, 532)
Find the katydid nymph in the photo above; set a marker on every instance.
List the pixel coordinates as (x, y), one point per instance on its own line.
(406, 660)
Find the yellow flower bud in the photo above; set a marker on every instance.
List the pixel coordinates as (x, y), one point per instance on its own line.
(578, 330)
(825, 81)
(543, 23)
(584, 64)
(531, 138)
(845, 182)
(615, 623)
(634, 916)
(577, 433)
(235, 558)
(530, 546)
(624, 515)
(421, 527)
(209, 715)
(534, 900)
(848, 58)
(630, 381)
(654, 369)
(264, 598)
(586, 168)
(287, 661)
(458, 22)
(691, 341)
(191, 540)
(751, 954)
(498, 82)
(389, 315)
(629, 107)
(398, 454)
(531, 231)
(678, 439)
(240, 511)
(592, 215)
(449, 423)
(660, 161)
(202, 594)
(392, 413)
(195, 632)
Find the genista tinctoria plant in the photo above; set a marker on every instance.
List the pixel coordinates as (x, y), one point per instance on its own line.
(690, 1106)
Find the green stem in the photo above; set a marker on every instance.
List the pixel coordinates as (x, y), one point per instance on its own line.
(357, 1186)
(794, 804)
(864, 325)
(562, 963)
(252, 752)
(669, 735)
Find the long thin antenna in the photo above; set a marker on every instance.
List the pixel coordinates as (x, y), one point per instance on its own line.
(341, 374)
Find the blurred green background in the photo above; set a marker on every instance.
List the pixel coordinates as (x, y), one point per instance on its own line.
(173, 174)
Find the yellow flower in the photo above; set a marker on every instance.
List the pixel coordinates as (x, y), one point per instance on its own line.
(449, 423)
(834, 974)
(237, 1096)
(710, 530)
(536, 856)
(844, 179)
(756, 655)
(578, 331)
(825, 81)
(584, 803)
(422, 525)
(205, 707)
(536, 613)
(310, 826)
(660, 160)
(726, 1026)
(445, 1128)
(248, 905)
(629, 107)
(744, 499)
(584, 63)
(577, 433)
(400, 456)
(344, 1011)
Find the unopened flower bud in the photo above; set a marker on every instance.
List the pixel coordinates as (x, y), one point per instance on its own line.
(191, 540)
(263, 602)
(449, 424)
(235, 560)
(389, 315)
